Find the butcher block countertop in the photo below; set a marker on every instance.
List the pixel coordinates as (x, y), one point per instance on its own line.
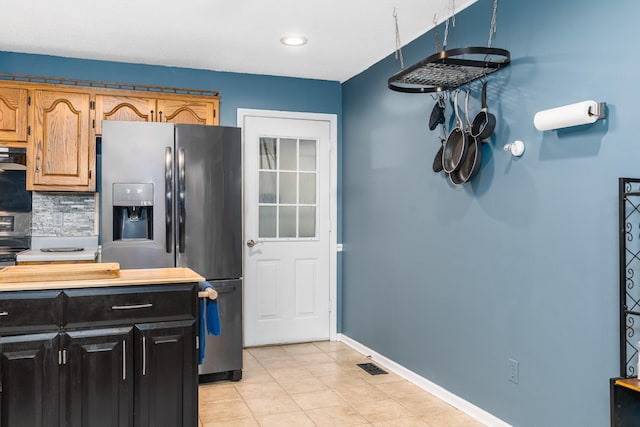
(66, 276)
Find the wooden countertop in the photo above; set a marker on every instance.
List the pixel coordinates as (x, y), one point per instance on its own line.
(631, 383)
(111, 276)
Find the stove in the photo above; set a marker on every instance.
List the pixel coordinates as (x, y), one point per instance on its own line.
(15, 235)
(15, 205)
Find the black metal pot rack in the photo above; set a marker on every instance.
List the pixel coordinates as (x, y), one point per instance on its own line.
(449, 69)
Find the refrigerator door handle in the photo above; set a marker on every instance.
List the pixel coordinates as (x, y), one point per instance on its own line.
(168, 199)
(181, 200)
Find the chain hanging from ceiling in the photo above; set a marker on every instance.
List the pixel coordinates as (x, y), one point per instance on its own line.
(448, 69)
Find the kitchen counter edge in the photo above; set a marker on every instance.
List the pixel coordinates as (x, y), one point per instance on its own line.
(137, 277)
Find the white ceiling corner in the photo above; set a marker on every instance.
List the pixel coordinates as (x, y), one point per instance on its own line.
(345, 37)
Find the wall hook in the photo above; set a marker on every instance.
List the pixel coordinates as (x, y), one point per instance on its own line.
(516, 148)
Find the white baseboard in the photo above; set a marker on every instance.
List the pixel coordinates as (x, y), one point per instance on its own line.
(457, 402)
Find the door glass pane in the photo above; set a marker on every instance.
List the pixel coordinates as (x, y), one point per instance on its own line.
(267, 221)
(268, 149)
(288, 179)
(287, 221)
(307, 188)
(288, 154)
(288, 187)
(307, 155)
(307, 221)
(268, 187)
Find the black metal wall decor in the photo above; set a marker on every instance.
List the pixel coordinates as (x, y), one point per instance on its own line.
(629, 240)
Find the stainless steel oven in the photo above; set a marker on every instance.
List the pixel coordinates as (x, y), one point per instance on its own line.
(15, 205)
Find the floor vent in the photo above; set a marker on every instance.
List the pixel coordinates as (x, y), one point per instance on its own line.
(372, 369)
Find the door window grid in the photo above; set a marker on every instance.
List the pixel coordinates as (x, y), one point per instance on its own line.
(288, 188)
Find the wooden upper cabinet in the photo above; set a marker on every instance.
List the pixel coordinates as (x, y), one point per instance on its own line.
(114, 107)
(13, 115)
(61, 154)
(186, 112)
(167, 110)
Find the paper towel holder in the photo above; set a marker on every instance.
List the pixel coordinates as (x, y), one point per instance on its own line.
(553, 119)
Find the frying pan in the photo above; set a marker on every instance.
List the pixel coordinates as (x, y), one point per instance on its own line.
(484, 123)
(473, 157)
(437, 161)
(437, 114)
(455, 146)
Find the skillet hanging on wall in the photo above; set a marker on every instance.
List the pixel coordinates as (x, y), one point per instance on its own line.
(456, 144)
(473, 157)
(484, 123)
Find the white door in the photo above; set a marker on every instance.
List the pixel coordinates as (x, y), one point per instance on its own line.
(287, 189)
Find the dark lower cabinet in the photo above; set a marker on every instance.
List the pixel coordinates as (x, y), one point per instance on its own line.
(98, 377)
(137, 369)
(29, 380)
(166, 385)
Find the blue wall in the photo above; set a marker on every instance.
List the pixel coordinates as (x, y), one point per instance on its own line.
(236, 90)
(520, 263)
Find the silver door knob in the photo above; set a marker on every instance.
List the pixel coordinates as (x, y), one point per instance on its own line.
(251, 243)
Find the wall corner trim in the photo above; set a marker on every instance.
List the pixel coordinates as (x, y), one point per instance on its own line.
(457, 402)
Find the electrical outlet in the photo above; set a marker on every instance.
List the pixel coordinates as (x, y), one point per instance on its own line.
(58, 219)
(514, 371)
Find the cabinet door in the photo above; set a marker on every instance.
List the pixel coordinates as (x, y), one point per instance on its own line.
(62, 157)
(29, 380)
(13, 114)
(98, 377)
(111, 107)
(166, 393)
(186, 112)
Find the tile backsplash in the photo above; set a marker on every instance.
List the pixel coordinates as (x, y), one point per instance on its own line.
(64, 214)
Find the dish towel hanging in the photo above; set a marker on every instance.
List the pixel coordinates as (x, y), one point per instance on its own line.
(209, 319)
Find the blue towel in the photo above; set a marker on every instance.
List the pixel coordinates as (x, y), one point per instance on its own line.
(210, 316)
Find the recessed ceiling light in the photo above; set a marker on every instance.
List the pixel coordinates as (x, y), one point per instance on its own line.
(293, 40)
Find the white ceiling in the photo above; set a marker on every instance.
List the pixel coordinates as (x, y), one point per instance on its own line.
(345, 36)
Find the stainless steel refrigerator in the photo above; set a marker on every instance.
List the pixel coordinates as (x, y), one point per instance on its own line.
(171, 195)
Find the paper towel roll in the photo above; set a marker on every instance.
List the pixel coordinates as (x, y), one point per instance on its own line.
(569, 115)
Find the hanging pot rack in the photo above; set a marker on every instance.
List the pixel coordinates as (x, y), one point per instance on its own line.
(449, 69)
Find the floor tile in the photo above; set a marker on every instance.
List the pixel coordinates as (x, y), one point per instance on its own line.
(312, 358)
(424, 404)
(266, 405)
(318, 399)
(236, 422)
(343, 415)
(399, 389)
(292, 419)
(304, 348)
(215, 392)
(223, 410)
(328, 346)
(286, 374)
(320, 384)
(403, 422)
(380, 410)
(453, 418)
(288, 362)
(273, 352)
(302, 385)
(259, 390)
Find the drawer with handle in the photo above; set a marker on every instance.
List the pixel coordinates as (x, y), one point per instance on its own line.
(129, 304)
(25, 311)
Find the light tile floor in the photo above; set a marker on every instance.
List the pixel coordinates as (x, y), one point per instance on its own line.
(319, 384)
